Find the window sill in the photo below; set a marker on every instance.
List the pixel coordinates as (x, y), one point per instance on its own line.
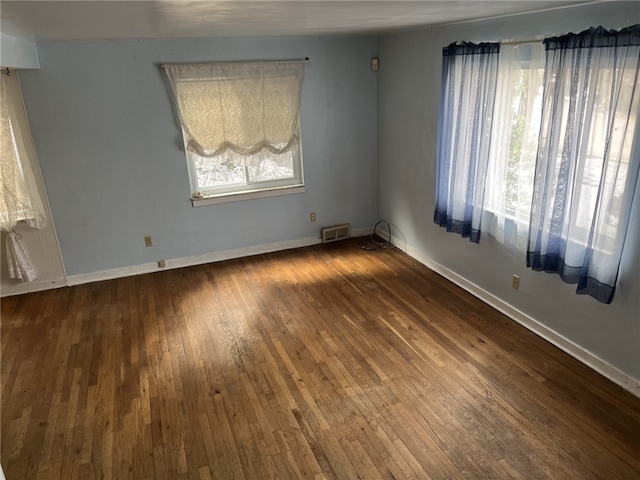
(236, 197)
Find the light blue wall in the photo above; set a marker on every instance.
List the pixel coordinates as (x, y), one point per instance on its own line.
(408, 97)
(114, 168)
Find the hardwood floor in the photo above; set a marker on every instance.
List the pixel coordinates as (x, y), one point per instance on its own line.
(326, 362)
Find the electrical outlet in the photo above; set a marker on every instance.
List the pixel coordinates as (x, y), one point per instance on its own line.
(162, 263)
(515, 282)
(148, 241)
(312, 217)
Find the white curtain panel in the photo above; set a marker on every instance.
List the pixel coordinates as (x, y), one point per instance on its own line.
(469, 79)
(244, 107)
(19, 198)
(18, 262)
(588, 162)
(514, 142)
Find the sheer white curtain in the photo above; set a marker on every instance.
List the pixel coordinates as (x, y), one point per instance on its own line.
(469, 78)
(491, 107)
(245, 107)
(514, 142)
(588, 162)
(19, 198)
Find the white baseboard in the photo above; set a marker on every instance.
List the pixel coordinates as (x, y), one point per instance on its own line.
(27, 287)
(202, 259)
(589, 359)
(361, 232)
(191, 261)
(140, 269)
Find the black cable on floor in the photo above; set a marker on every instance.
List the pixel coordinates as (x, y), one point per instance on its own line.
(375, 241)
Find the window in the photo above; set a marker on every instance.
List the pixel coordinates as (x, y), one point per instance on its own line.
(232, 172)
(240, 126)
(514, 142)
(586, 168)
(558, 176)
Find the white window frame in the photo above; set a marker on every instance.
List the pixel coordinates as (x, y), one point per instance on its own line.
(250, 189)
(237, 114)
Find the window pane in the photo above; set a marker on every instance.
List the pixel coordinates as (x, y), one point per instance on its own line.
(218, 171)
(270, 166)
(234, 172)
(514, 143)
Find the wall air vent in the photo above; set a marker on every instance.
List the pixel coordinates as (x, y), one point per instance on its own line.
(335, 233)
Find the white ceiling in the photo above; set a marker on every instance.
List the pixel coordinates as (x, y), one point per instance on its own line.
(44, 21)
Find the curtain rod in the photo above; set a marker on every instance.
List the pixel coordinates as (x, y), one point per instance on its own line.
(521, 42)
(306, 60)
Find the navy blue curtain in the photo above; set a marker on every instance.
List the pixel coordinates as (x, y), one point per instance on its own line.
(588, 158)
(469, 79)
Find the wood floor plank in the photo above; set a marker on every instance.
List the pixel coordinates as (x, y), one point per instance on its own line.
(327, 362)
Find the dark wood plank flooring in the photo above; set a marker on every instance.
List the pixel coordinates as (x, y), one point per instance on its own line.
(326, 362)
